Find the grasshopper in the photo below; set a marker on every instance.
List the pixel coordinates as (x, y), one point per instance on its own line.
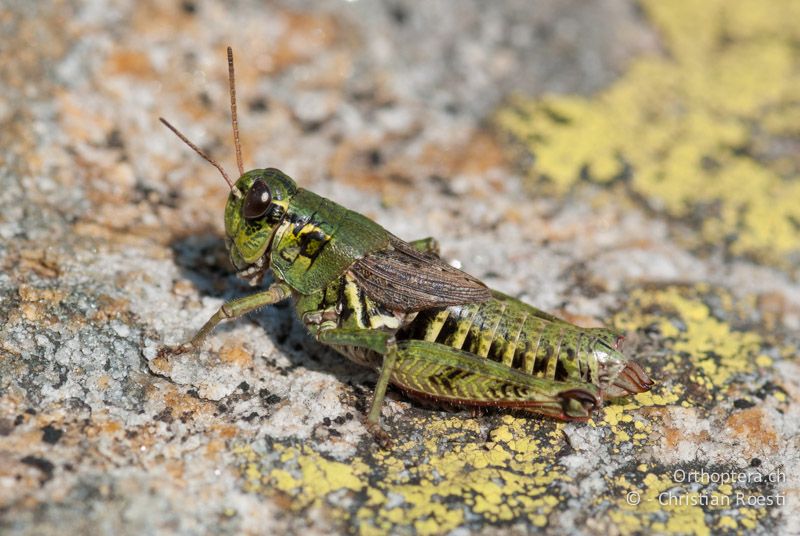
(426, 327)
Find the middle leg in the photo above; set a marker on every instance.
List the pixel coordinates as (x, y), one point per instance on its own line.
(380, 342)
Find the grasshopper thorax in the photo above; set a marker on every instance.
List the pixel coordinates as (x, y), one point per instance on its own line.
(256, 206)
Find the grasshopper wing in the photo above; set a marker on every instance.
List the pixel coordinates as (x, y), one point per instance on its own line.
(405, 279)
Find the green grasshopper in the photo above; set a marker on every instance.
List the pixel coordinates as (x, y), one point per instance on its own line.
(434, 331)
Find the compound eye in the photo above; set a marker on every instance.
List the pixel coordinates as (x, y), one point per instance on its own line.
(257, 200)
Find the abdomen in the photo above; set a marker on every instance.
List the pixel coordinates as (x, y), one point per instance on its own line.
(519, 336)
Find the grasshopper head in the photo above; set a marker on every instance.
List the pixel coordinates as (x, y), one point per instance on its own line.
(256, 205)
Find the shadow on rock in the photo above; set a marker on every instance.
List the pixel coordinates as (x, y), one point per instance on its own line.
(203, 259)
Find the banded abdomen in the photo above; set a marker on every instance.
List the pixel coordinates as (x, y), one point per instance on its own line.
(508, 331)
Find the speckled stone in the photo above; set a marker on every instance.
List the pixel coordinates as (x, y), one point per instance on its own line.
(111, 245)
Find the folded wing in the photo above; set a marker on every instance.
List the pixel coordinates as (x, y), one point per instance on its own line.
(405, 279)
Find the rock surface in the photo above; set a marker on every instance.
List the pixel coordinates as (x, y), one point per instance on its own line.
(632, 165)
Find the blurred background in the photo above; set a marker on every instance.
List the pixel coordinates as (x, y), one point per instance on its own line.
(626, 163)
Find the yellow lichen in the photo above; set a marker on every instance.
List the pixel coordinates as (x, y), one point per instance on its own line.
(695, 125)
(637, 504)
(505, 479)
(710, 348)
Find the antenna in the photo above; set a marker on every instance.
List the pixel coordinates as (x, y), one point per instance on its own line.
(196, 149)
(234, 119)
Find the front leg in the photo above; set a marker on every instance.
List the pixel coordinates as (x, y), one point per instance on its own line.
(278, 291)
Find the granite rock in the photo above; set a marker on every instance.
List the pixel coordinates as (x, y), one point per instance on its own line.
(590, 158)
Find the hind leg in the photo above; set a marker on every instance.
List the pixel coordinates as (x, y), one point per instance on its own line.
(444, 374)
